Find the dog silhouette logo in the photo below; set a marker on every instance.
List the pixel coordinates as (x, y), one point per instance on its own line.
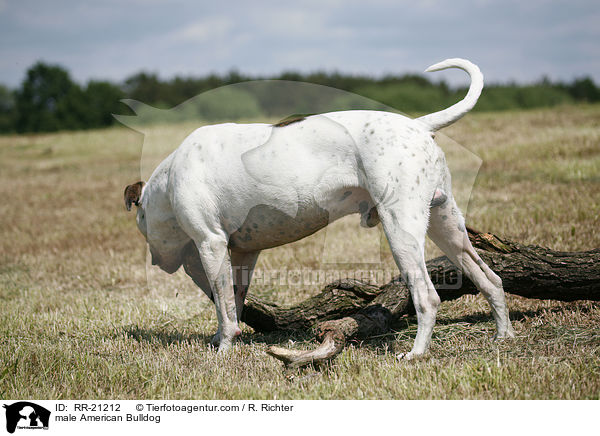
(26, 415)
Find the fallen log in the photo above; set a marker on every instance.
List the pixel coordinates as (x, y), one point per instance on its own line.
(348, 309)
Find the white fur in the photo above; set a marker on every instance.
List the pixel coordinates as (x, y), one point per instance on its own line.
(236, 189)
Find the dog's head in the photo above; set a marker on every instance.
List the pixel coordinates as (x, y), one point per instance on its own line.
(157, 223)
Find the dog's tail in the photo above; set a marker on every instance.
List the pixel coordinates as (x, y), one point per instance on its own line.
(437, 120)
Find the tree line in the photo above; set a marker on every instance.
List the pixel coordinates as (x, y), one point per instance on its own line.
(48, 99)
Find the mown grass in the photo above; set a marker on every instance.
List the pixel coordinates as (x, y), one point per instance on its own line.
(81, 319)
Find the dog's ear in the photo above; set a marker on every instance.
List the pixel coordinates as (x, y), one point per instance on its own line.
(133, 193)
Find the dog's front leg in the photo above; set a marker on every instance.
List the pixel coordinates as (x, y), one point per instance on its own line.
(243, 267)
(217, 265)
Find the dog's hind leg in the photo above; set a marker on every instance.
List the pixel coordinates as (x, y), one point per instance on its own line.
(447, 229)
(406, 235)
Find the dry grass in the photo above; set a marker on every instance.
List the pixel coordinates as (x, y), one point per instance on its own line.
(79, 321)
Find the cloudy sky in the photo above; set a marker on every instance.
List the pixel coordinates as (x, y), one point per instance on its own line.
(111, 39)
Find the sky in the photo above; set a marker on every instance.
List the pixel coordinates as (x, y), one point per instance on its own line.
(510, 40)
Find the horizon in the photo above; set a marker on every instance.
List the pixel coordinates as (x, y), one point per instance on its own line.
(305, 75)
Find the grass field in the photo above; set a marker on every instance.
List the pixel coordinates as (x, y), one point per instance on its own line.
(79, 319)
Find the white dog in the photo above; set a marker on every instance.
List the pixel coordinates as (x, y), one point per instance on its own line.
(237, 189)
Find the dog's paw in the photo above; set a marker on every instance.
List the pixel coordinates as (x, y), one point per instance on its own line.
(508, 334)
(224, 347)
(410, 356)
(406, 356)
(225, 341)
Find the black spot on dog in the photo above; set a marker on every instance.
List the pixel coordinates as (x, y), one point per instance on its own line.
(346, 195)
(438, 200)
(291, 120)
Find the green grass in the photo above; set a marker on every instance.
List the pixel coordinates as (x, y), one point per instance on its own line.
(79, 319)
